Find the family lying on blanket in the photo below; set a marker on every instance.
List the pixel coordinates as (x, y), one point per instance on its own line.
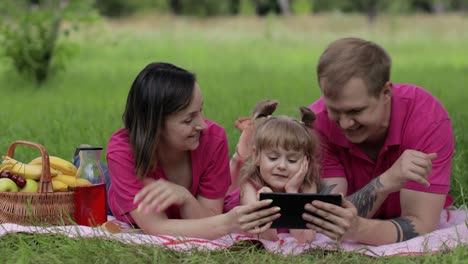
(386, 147)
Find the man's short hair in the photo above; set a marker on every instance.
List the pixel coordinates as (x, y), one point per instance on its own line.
(349, 58)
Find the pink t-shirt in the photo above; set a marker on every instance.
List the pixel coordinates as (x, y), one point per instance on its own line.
(210, 171)
(418, 121)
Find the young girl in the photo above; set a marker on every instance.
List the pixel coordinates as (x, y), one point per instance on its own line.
(283, 159)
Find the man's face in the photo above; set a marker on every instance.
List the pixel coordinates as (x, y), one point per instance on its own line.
(363, 118)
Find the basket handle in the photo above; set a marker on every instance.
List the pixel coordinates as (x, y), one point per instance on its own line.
(45, 184)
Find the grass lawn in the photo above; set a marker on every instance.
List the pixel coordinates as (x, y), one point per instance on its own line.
(238, 61)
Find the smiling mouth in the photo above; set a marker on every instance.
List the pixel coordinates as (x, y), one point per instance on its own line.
(280, 176)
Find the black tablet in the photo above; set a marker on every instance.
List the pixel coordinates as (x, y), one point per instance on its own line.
(292, 207)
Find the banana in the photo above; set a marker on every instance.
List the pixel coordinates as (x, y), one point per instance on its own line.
(59, 186)
(71, 181)
(27, 171)
(57, 163)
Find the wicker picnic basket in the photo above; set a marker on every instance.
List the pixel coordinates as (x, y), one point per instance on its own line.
(45, 207)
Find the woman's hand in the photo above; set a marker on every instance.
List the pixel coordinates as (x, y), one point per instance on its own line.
(251, 218)
(336, 222)
(295, 182)
(159, 195)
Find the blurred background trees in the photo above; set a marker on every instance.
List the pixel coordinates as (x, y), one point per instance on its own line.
(33, 33)
(116, 8)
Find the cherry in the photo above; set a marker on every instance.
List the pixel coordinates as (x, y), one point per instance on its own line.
(5, 174)
(20, 182)
(14, 177)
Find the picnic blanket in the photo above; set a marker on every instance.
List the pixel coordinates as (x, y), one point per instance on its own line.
(451, 232)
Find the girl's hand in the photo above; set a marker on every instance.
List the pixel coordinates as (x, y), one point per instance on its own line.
(270, 234)
(159, 195)
(264, 189)
(251, 218)
(303, 235)
(295, 182)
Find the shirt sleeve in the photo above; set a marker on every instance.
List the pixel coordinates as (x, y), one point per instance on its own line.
(437, 138)
(330, 165)
(124, 183)
(216, 178)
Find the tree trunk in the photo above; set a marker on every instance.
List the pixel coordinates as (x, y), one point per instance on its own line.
(285, 8)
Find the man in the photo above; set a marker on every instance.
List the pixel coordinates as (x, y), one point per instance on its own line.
(387, 146)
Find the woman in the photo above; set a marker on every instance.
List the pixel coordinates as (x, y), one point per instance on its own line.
(169, 166)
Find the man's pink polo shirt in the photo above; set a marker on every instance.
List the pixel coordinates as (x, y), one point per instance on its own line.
(210, 171)
(418, 121)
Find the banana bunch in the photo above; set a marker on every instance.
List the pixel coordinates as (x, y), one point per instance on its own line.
(57, 163)
(63, 172)
(66, 178)
(27, 171)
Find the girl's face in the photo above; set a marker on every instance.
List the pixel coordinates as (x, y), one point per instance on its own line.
(182, 130)
(277, 166)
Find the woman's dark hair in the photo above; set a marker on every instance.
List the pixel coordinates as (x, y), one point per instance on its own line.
(159, 90)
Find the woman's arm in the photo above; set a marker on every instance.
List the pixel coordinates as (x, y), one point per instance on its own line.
(241, 219)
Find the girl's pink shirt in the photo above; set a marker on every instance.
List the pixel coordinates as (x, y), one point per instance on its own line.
(210, 171)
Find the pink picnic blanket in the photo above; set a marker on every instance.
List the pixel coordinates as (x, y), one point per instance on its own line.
(451, 232)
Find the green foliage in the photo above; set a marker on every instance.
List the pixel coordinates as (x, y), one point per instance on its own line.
(116, 8)
(30, 33)
(205, 8)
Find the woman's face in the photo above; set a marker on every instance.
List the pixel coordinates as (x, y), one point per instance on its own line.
(182, 130)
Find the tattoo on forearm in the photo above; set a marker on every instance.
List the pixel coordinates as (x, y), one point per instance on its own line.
(327, 189)
(365, 198)
(404, 228)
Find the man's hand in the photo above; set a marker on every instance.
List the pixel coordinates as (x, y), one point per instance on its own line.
(159, 195)
(412, 165)
(336, 222)
(295, 182)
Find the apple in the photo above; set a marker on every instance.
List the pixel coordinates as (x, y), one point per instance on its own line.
(31, 186)
(7, 185)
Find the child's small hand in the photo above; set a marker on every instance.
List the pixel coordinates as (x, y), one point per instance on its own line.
(303, 235)
(296, 181)
(263, 190)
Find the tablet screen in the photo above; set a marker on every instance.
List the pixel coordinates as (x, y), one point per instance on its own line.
(292, 207)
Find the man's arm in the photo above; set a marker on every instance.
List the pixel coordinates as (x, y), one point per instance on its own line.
(367, 200)
(420, 214)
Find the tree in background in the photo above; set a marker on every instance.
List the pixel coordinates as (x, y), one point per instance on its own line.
(30, 31)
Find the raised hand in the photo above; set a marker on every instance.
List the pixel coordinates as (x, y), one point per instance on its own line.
(295, 182)
(159, 195)
(412, 165)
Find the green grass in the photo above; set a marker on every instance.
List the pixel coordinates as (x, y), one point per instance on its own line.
(238, 61)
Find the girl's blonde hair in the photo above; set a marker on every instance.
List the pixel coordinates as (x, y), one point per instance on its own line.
(275, 132)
